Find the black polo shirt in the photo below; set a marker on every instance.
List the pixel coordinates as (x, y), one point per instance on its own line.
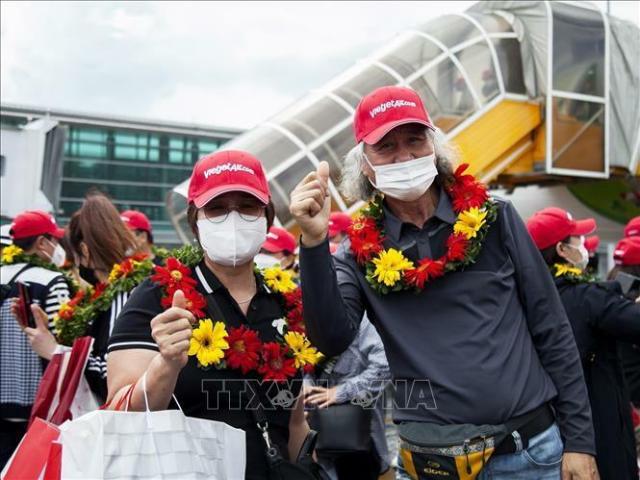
(224, 394)
(478, 346)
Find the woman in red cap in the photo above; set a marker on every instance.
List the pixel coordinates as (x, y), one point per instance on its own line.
(210, 308)
(600, 317)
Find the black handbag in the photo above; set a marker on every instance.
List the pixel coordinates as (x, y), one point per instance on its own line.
(342, 428)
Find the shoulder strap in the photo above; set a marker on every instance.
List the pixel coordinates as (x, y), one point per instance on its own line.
(15, 277)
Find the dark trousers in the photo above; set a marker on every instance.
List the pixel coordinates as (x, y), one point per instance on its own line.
(363, 466)
(10, 435)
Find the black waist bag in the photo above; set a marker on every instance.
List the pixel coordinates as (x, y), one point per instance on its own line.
(431, 451)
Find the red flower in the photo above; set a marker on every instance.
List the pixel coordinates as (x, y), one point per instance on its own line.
(174, 276)
(308, 368)
(139, 257)
(427, 269)
(292, 299)
(99, 289)
(365, 240)
(276, 366)
(126, 267)
(467, 192)
(244, 349)
(457, 245)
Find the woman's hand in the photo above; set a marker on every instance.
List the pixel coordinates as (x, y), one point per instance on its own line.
(171, 330)
(320, 397)
(41, 339)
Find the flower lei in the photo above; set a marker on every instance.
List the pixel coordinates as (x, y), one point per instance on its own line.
(74, 316)
(388, 270)
(13, 254)
(241, 348)
(570, 273)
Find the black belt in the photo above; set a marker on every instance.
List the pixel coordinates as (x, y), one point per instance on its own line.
(525, 427)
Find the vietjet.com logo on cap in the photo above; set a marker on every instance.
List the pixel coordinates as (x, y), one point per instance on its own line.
(227, 167)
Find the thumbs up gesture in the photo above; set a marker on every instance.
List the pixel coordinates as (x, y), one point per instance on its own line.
(311, 204)
(171, 330)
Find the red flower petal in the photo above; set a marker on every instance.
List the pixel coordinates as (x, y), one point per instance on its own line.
(244, 349)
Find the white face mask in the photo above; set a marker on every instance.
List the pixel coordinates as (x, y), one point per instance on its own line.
(232, 242)
(59, 256)
(584, 256)
(405, 181)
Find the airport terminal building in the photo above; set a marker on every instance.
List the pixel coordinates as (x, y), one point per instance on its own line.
(51, 159)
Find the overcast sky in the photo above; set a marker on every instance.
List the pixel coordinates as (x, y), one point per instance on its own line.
(227, 64)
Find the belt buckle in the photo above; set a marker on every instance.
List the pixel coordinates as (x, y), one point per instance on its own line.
(517, 440)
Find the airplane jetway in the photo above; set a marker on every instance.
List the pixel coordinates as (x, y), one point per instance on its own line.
(530, 93)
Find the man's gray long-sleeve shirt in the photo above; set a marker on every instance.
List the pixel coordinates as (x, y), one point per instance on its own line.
(478, 346)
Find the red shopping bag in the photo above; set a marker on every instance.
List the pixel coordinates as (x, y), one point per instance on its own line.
(32, 454)
(53, 470)
(60, 381)
(47, 389)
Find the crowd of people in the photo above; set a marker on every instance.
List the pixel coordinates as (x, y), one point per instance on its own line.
(502, 353)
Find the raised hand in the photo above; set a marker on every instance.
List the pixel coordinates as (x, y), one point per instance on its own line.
(171, 330)
(311, 204)
(41, 339)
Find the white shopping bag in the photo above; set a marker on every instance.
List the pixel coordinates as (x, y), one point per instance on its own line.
(159, 445)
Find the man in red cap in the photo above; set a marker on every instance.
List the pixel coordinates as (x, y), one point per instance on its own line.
(462, 300)
(140, 226)
(339, 223)
(600, 317)
(633, 228)
(34, 259)
(278, 249)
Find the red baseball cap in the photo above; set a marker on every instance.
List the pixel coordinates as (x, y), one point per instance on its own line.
(33, 223)
(136, 220)
(552, 225)
(627, 251)
(386, 108)
(279, 240)
(339, 222)
(227, 171)
(633, 228)
(591, 243)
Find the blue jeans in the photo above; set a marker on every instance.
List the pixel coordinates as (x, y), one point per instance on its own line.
(542, 460)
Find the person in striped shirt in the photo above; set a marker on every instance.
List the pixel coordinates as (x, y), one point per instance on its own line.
(35, 236)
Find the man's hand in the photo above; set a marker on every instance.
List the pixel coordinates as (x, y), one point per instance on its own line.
(311, 204)
(579, 466)
(319, 396)
(41, 339)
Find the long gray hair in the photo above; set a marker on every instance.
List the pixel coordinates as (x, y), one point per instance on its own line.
(356, 186)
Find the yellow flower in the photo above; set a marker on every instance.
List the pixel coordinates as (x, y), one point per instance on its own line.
(115, 272)
(389, 266)
(470, 222)
(10, 252)
(208, 342)
(564, 269)
(278, 280)
(303, 352)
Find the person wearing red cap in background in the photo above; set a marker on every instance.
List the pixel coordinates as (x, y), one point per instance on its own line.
(229, 212)
(278, 249)
(452, 332)
(591, 243)
(33, 259)
(339, 223)
(633, 228)
(140, 226)
(600, 317)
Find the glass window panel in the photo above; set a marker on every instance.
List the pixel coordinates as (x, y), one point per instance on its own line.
(578, 135)
(268, 145)
(286, 182)
(508, 52)
(126, 152)
(97, 170)
(177, 143)
(97, 150)
(125, 138)
(578, 50)
(313, 120)
(492, 23)
(176, 156)
(205, 147)
(139, 192)
(445, 94)
(365, 82)
(91, 135)
(478, 63)
(153, 154)
(451, 29)
(154, 141)
(412, 54)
